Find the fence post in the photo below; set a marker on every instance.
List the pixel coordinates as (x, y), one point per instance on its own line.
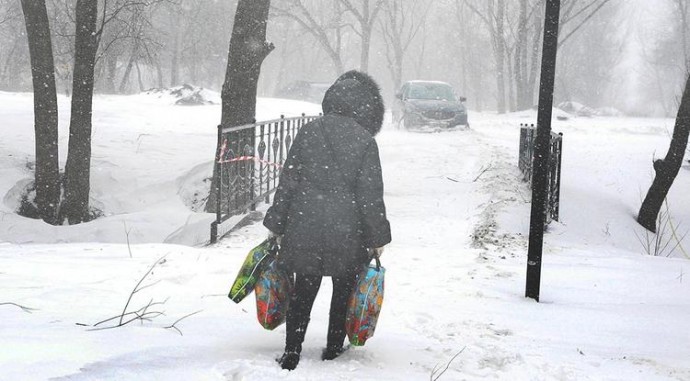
(218, 167)
(252, 169)
(541, 157)
(282, 137)
(262, 150)
(557, 208)
(522, 148)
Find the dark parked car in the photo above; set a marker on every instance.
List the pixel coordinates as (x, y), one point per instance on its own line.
(429, 103)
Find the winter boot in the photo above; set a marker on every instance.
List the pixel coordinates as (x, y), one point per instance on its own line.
(289, 360)
(331, 352)
(293, 344)
(336, 337)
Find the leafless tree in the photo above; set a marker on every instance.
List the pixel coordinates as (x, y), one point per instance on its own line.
(516, 41)
(14, 52)
(247, 52)
(325, 24)
(667, 169)
(400, 25)
(75, 207)
(492, 13)
(365, 12)
(47, 171)
(682, 8)
(588, 62)
(664, 52)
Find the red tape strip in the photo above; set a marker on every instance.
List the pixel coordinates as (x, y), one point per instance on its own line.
(223, 150)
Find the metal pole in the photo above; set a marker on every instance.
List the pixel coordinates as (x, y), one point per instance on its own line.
(557, 212)
(541, 152)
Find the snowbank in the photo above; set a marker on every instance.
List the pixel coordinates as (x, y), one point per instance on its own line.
(149, 163)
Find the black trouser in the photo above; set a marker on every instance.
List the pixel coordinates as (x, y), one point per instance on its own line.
(301, 301)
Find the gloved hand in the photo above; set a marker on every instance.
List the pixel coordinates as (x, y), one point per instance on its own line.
(278, 237)
(377, 252)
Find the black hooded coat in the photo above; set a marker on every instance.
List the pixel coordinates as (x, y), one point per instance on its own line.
(329, 202)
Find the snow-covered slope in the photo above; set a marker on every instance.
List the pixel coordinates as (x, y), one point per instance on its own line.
(455, 269)
(149, 161)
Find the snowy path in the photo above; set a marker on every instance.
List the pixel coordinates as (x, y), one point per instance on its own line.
(430, 194)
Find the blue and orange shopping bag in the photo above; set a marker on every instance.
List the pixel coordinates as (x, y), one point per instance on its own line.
(365, 303)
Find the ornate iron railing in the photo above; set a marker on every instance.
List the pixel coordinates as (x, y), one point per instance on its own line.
(249, 159)
(528, 133)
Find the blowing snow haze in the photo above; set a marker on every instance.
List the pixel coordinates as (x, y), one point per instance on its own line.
(626, 55)
(134, 183)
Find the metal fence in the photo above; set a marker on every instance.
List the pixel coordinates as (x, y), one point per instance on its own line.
(248, 162)
(528, 134)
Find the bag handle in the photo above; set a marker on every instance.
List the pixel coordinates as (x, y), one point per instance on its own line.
(375, 258)
(378, 263)
(274, 248)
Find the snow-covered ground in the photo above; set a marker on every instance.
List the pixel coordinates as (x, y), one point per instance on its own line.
(455, 269)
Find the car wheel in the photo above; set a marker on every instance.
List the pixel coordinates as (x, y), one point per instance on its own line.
(407, 124)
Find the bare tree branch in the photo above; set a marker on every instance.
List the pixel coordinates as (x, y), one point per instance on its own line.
(137, 289)
(173, 325)
(584, 21)
(23, 308)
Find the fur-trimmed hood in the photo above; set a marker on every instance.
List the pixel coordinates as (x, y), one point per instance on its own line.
(355, 94)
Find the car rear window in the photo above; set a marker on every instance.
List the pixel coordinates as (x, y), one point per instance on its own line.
(431, 91)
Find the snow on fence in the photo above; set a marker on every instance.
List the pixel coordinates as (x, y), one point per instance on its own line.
(528, 133)
(248, 163)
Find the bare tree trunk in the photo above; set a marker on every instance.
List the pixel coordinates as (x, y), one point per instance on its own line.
(500, 57)
(248, 49)
(139, 79)
(175, 65)
(684, 29)
(366, 47)
(524, 95)
(366, 16)
(392, 35)
(667, 169)
(14, 67)
(497, 27)
(125, 77)
(512, 98)
(193, 66)
(78, 168)
(47, 172)
(419, 65)
(536, 50)
(128, 69)
(159, 74)
(9, 62)
(110, 73)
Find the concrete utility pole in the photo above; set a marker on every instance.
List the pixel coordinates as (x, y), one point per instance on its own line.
(541, 150)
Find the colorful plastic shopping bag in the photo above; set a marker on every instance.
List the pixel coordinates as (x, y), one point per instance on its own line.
(257, 260)
(272, 292)
(364, 305)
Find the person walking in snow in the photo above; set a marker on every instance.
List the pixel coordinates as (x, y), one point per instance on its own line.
(328, 208)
